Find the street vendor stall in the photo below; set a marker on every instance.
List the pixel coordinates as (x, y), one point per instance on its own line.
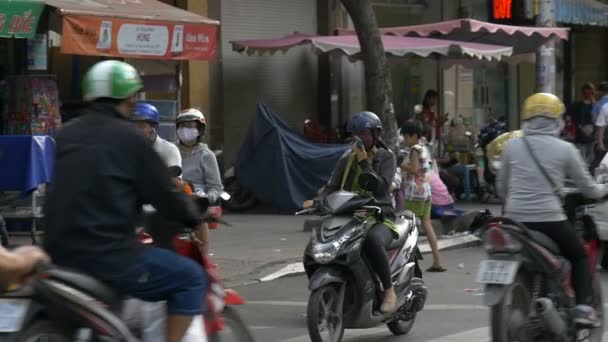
(133, 30)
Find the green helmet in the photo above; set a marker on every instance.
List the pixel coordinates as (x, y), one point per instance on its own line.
(111, 79)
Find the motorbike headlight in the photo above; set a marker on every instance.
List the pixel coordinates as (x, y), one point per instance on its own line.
(325, 252)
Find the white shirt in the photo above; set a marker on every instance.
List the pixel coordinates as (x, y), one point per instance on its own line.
(168, 152)
(602, 117)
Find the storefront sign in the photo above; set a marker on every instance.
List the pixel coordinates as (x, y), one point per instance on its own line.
(88, 35)
(503, 9)
(19, 18)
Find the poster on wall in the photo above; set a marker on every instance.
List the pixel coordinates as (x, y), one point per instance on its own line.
(88, 35)
(37, 52)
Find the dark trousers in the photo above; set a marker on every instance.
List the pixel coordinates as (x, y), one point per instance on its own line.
(571, 248)
(377, 241)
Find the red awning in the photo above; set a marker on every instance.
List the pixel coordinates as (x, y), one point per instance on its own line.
(523, 39)
(135, 29)
(396, 46)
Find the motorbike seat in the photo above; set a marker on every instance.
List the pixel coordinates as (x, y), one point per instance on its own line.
(86, 284)
(544, 241)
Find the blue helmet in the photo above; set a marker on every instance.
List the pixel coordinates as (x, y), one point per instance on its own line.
(145, 112)
(364, 120)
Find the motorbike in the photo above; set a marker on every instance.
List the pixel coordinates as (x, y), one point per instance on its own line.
(527, 281)
(63, 305)
(345, 291)
(485, 169)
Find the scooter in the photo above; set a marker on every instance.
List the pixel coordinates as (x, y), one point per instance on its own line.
(345, 291)
(65, 306)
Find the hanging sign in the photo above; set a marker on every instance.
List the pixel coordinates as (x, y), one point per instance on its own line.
(19, 18)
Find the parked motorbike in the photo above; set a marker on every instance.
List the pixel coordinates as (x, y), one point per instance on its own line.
(527, 281)
(65, 306)
(345, 291)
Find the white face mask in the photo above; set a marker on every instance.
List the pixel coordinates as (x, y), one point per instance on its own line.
(187, 134)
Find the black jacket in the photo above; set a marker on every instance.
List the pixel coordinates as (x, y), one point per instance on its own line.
(104, 171)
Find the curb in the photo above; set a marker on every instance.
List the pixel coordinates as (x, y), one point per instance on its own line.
(461, 241)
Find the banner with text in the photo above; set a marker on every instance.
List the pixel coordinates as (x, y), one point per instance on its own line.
(99, 36)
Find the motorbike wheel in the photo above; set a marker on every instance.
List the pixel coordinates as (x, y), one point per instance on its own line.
(240, 199)
(235, 329)
(44, 331)
(509, 316)
(325, 324)
(399, 327)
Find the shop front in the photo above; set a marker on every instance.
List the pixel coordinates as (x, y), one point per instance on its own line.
(42, 66)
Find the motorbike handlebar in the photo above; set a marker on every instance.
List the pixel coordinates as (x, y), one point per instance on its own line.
(305, 211)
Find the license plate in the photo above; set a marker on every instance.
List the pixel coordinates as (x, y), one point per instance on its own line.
(497, 272)
(12, 314)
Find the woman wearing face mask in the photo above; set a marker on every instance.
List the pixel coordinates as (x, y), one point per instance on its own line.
(199, 165)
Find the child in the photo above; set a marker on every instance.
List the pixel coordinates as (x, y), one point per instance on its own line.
(418, 187)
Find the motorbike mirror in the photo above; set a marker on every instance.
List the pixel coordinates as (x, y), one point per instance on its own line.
(225, 196)
(175, 171)
(369, 181)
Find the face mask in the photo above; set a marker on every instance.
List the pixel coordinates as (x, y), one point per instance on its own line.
(187, 135)
(367, 138)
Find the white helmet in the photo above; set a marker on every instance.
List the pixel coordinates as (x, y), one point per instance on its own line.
(191, 114)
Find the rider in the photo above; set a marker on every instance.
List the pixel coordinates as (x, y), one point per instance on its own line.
(532, 199)
(104, 172)
(199, 163)
(17, 264)
(146, 120)
(376, 158)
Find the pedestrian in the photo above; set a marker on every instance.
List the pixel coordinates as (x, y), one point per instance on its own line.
(600, 113)
(581, 114)
(418, 187)
(432, 120)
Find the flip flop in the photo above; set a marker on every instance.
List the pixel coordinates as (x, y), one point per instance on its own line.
(436, 269)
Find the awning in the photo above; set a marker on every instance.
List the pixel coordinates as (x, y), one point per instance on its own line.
(583, 12)
(396, 46)
(135, 29)
(19, 18)
(523, 39)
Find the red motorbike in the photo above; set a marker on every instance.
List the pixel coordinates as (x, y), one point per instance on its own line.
(221, 320)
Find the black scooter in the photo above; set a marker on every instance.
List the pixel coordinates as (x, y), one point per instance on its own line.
(345, 290)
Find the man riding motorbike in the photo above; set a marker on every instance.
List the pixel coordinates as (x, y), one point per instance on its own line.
(372, 157)
(146, 119)
(105, 170)
(533, 170)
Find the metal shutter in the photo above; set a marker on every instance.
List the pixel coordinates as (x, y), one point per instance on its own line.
(286, 82)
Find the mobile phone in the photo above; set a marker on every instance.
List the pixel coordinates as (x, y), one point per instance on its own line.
(359, 143)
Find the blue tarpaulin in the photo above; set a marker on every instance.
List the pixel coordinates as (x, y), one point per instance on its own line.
(25, 162)
(281, 167)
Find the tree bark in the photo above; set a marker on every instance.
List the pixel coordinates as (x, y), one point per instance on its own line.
(378, 87)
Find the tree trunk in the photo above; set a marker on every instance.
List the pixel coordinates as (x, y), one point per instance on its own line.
(378, 86)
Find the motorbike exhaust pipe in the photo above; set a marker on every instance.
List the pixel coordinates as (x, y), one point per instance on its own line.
(551, 319)
(419, 290)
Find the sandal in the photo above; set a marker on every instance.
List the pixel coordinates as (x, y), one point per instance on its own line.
(436, 269)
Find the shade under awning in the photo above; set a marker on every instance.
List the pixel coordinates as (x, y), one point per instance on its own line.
(135, 29)
(523, 39)
(396, 46)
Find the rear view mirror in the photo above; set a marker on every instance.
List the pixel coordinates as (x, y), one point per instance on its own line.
(369, 181)
(225, 196)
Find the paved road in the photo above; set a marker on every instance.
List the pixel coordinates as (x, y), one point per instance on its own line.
(276, 310)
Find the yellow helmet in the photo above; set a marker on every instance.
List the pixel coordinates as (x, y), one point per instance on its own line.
(495, 148)
(542, 104)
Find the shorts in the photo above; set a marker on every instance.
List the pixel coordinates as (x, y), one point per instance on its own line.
(419, 208)
(161, 275)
